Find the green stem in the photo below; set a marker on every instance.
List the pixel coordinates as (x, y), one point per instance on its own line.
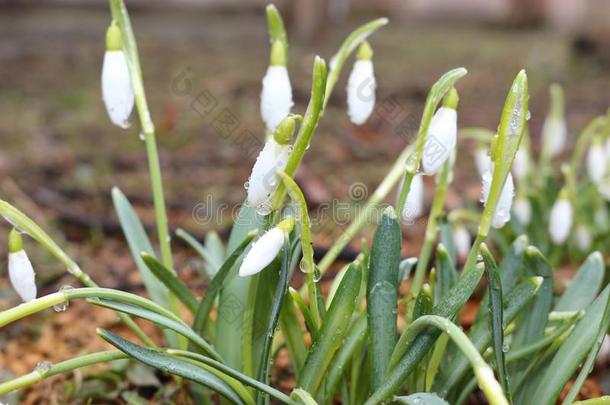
(120, 14)
(404, 191)
(484, 374)
(363, 215)
(60, 368)
(431, 228)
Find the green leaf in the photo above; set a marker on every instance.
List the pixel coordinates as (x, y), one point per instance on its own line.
(293, 335)
(138, 242)
(173, 365)
(382, 295)
(447, 308)
(302, 397)
(332, 332)
(160, 320)
(496, 309)
(206, 303)
(446, 275)
(584, 286)
(352, 345)
(481, 337)
(212, 253)
(171, 281)
(573, 350)
(421, 398)
(233, 293)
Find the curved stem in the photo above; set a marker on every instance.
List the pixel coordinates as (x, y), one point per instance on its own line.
(483, 373)
(64, 367)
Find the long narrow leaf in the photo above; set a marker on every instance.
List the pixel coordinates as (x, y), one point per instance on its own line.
(585, 286)
(173, 365)
(171, 281)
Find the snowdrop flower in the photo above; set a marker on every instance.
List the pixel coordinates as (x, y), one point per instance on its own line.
(482, 160)
(117, 92)
(596, 162)
(462, 241)
(361, 86)
(274, 157)
(442, 134)
(583, 238)
(265, 249)
(414, 205)
(276, 95)
(523, 210)
(20, 269)
(502, 212)
(520, 163)
(560, 221)
(554, 129)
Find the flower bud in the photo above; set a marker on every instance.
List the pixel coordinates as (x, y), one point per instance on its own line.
(361, 86)
(276, 96)
(560, 221)
(20, 269)
(583, 238)
(414, 204)
(440, 141)
(596, 162)
(482, 160)
(502, 211)
(265, 249)
(554, 136)
(117, 92)
(520, 163)
(462, 241)
(523, 210)
(264, 179)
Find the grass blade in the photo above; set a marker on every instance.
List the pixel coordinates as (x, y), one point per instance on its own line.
(212, 261)
(585, 286)
(171, 281)
(421, 398)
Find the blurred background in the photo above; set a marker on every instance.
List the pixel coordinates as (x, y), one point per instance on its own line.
(60, 155)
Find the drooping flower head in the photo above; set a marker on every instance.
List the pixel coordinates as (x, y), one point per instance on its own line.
(554, 129)
(276, 94)
(482, 160)
(361, 86)
(462, 241)
(266, 248)
(502, 212)
(523, 210)
(117, 92)
(561, 218)
(264, 179)
(20, 269)
(414, 204)
(597, 164)
(442, 135)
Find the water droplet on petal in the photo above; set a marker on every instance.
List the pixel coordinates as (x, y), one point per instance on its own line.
(247, 185)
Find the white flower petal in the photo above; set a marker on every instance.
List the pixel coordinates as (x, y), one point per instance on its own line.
(361, 91)
(440, 141)
(520, 164)
(263, 252)
(502, 212)
(414, 205)
(583, 238)
(116, 88)
(462, 241)
(22, 275)
(560, 221)
(264, 179)
(554, 136)
(596, 163)
(276, 96)
(523, 210)
(482, 161)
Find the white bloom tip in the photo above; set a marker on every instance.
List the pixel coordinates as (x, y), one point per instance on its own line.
(22, 275)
